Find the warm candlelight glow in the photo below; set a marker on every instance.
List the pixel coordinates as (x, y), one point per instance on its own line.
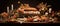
(18, 2)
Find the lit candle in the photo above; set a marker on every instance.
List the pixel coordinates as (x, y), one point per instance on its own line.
(12, 6)
(7, 9)
(50, 10)
(46, 13)
(18, 2)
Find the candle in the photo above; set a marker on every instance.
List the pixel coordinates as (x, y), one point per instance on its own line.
(18, 2)
(12, 6)
(50, 10)
(46, 13)
(7, 9)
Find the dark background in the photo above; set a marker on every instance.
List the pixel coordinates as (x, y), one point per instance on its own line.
(4, 3)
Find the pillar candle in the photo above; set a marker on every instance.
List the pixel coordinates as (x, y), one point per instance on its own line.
(50, 10)
(12, 6)
(7, 9)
